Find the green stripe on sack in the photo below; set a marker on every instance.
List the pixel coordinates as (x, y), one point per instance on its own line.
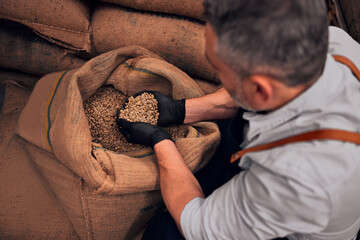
(2, 96)
(47, 109)
(146, 154)
(141, 70)
(141, 155)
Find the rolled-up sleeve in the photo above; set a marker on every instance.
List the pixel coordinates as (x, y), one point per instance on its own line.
(192, 231)
(255, 204)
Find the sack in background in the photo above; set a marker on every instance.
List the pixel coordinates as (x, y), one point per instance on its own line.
(64, 22)
(28, 205)
(188, 8)
(23, 50)
(351, 11)
(20, 78)
(106, 195)
(179, 41)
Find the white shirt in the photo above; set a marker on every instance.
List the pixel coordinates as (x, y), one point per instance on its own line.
(308, 190)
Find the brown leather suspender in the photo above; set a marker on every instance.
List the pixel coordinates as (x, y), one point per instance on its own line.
(323, 134)
(348, 63)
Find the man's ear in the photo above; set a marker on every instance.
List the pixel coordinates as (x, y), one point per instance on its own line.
(261, 90)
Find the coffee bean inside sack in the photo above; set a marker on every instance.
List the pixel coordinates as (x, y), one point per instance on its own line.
(100, 110)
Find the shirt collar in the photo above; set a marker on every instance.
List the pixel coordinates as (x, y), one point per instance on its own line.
(312, 98)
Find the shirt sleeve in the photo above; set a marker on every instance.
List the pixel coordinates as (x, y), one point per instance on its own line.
(256, 204)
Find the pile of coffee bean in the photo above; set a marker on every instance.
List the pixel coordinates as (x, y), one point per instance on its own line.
(101, 109)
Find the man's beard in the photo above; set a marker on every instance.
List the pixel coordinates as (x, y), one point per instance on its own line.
(241, 100)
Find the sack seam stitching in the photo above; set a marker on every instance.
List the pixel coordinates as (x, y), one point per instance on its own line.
(89, 230)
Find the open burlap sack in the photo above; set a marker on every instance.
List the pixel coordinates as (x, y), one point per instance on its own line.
(106, 195)
(28, 206)
(179, 41)
(206, 86)
(189, 8)
(23, 50)
(65, 22)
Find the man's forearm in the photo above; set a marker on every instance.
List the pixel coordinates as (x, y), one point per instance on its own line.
(218, 105)
(178, 184)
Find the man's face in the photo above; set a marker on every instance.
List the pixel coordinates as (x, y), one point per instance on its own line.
(231, 82)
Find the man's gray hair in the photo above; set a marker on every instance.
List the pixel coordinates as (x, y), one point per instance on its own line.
(284, 39)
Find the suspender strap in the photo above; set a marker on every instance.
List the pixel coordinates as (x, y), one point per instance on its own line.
(348, 63)
(324, 134)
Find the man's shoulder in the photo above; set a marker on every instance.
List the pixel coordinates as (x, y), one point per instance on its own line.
(341, 43)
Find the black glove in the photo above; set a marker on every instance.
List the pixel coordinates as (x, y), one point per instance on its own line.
(141, 133)
(170, 111)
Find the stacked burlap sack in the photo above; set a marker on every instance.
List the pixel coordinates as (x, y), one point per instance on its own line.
(188, 8)
(172, 29)
(351, 11)
(105, 194)
(22, 50)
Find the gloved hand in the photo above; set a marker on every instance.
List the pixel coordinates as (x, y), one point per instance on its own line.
(141, 133)
(170, 111)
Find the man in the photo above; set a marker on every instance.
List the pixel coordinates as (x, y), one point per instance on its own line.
(272, 58)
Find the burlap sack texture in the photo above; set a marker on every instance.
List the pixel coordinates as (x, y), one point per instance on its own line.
(70, 23)
(179, 41)
(64, 22)
(351, 11)
(206, 86)
(188, 8)
(29, 208)
(23, 50)
(20, 78)
(106, 195)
